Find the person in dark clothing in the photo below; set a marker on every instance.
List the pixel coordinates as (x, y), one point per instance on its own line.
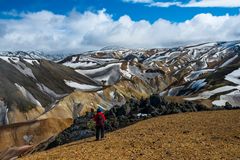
(99, 118)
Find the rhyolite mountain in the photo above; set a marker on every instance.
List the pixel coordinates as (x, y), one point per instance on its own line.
(40, 97)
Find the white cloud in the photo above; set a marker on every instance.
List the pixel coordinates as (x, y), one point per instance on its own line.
(213, 3)
(164, 4)
(138, 1)
(191, 3)
(49, 32)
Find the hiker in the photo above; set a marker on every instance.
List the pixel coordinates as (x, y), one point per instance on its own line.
(99, 118)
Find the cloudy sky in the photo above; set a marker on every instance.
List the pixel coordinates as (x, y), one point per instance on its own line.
(67, 26)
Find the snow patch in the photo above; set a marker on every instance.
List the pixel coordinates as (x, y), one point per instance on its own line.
(233, 98)
(219, 102)
(228, 61)
(126, 74)
(5, 59)
(134, 70)
(112, 95)
(208, 94)
(48, 91)
(195, 74)
(139, 115)
(196, 85)
(28, 95)
(21, 67)
(82, 87)
(96, 70)
(164, 93)
(80, 64)
(31, 61)
(108, 75)
(174, 91)
(100, 92)
(234, 77)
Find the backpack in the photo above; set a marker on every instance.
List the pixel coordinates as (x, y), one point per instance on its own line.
(99, 120)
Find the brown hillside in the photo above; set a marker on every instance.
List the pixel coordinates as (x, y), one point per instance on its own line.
(201, 135)
(12, 135)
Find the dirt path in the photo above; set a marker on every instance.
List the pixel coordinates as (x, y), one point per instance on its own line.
(202, 135)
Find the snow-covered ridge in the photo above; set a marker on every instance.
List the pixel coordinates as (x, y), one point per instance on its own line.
(23, 54)
(232, 98)
(20, 66)
(19, 59)
(106, 75)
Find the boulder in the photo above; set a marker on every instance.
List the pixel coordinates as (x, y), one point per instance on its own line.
(148, 109)
(155, 100)
(123, 110)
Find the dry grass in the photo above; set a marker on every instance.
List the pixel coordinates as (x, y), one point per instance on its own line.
(201, 135)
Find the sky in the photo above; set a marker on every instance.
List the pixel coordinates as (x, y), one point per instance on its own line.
(73, 26)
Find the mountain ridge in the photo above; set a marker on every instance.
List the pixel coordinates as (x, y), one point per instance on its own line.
(42, 89)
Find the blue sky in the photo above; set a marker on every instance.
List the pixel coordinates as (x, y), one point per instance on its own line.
(80, 25)
(116, 8)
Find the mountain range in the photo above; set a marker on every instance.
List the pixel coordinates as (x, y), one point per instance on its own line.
(40, 97)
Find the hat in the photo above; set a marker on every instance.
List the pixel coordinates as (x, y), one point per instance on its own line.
(99, 110)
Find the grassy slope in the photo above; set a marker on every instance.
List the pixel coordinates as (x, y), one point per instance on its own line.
(201, 135)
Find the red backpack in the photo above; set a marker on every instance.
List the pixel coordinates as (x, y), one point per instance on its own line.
(99, 120)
